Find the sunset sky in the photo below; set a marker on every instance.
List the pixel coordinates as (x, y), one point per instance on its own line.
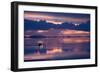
(57, 18)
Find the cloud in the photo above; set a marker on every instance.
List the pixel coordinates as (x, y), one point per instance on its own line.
(54, 19)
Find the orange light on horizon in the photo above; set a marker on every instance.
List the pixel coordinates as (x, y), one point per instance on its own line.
(76, 32)
(76, 40)
(54, 22)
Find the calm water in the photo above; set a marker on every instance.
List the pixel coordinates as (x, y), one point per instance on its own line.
(56, 48)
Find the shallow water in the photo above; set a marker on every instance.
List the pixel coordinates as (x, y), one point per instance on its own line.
(57, 48)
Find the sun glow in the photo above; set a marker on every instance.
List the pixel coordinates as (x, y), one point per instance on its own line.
(54, 50)
(41, 31)
(54, 22)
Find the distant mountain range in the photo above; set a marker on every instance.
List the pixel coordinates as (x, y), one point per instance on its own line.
(43, 25)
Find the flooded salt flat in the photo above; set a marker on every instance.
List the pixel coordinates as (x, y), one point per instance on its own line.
(56, 48)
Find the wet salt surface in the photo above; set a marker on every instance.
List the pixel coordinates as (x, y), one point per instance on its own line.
(60, 45)
(69, 51)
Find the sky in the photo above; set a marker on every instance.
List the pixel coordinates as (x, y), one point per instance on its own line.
(57, 18)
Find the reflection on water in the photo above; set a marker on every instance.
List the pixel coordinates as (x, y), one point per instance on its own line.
(59, 47)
